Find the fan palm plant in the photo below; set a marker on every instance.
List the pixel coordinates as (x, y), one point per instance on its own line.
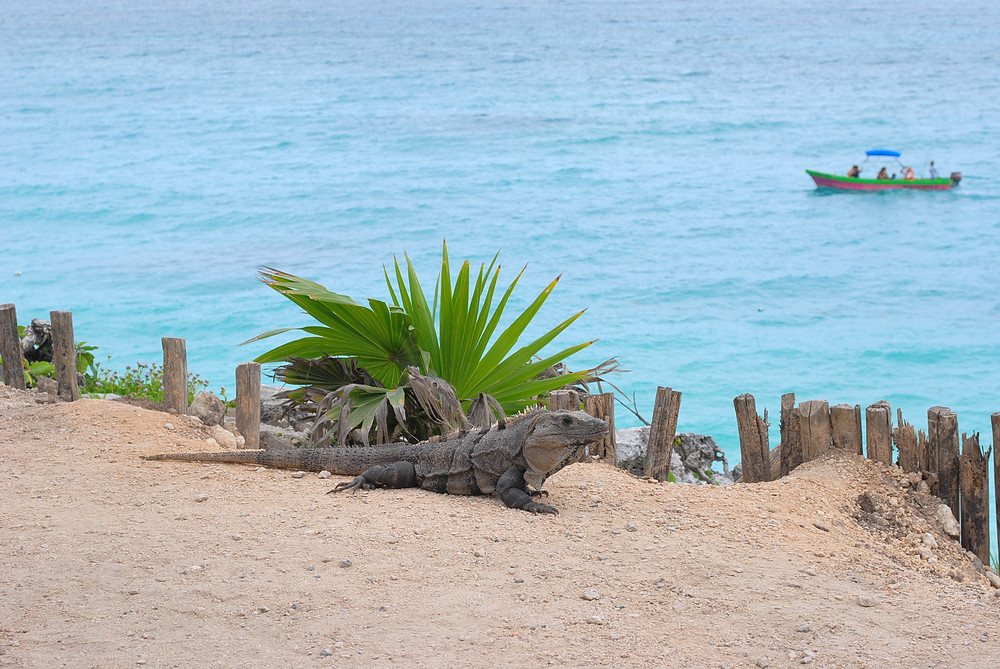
(440, 360)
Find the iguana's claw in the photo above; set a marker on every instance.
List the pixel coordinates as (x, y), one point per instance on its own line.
(537, 508)
(355, 484)
(537, 493)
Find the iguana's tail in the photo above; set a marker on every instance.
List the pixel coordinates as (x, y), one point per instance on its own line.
(238, 457)
(350, 460)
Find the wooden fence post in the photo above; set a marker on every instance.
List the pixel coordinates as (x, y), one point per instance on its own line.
(10, 348)
(905, 439)
(845, 421)
(564, 399)
(942, 429)
(662, 433)
(995, 420)
(974, 476)
(924, 452)
(603, 406)
(817, 430)
(175, 374)
(64, 354)
(791, 435)
(248, 403)
(754, 448)
(878, 428)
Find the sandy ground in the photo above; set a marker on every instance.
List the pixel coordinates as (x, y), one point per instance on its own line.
(111, 561)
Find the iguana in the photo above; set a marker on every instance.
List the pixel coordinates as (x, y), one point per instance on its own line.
(504, 458)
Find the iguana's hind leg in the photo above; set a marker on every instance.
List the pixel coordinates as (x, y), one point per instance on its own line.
(396, 475)
(511, 489)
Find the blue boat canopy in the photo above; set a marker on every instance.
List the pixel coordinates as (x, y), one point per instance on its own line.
(882, 152)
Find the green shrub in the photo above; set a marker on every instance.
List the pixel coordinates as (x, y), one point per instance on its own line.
(417, 365)
(144, 381)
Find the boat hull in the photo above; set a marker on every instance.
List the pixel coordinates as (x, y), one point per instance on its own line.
(824, 180)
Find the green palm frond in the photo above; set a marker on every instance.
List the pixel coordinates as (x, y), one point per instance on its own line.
(379, 337)
(463, 344)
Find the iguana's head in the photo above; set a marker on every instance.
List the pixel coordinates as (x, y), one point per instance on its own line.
(557, 439)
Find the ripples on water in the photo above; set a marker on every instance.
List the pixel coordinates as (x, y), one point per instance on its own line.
(155, 154)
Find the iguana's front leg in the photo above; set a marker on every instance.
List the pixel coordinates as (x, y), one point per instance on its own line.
(396, 475)
(511, 489)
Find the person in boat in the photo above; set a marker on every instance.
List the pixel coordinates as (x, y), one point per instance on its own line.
(855, 171)
(882, 174)
(934, 172)
(908, 174)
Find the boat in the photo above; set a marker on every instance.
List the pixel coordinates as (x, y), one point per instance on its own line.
(906, 178)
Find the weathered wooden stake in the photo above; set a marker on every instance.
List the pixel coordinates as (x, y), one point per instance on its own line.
(10, 348)
(603, 406)
(662, 433)
(564, 399)
(754, 447)
(774, 463)
(974, 476)
(995, 419)
(64, 354)
(905, 439)
(846, 423)
(817, 430)
(791, 434)
(924, 455)
(942, 429)
(248, 403)
(878, 428)
(175, 374)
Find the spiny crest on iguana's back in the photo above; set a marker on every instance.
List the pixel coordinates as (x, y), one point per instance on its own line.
(501, 424)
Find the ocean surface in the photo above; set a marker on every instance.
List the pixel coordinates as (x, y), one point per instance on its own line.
(154, 154)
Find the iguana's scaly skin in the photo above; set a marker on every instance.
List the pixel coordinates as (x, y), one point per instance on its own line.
(505, 458)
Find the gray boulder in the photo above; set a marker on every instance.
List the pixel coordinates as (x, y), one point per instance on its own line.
(699, 453)
(692, 460)
(47, 385)
(272, 404)
(276, 409)
(208, 408)
(272, 436)
(36, 342)
(630, 448)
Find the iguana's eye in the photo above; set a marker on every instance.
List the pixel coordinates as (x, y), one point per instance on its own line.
(567, 420)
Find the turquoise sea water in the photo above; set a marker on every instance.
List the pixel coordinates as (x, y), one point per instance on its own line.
(154, 154)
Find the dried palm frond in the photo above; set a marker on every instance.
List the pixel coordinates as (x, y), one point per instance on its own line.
(485, 410)
(437, 398)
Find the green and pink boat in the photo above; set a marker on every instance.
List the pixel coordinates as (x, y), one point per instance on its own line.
(905, 181)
